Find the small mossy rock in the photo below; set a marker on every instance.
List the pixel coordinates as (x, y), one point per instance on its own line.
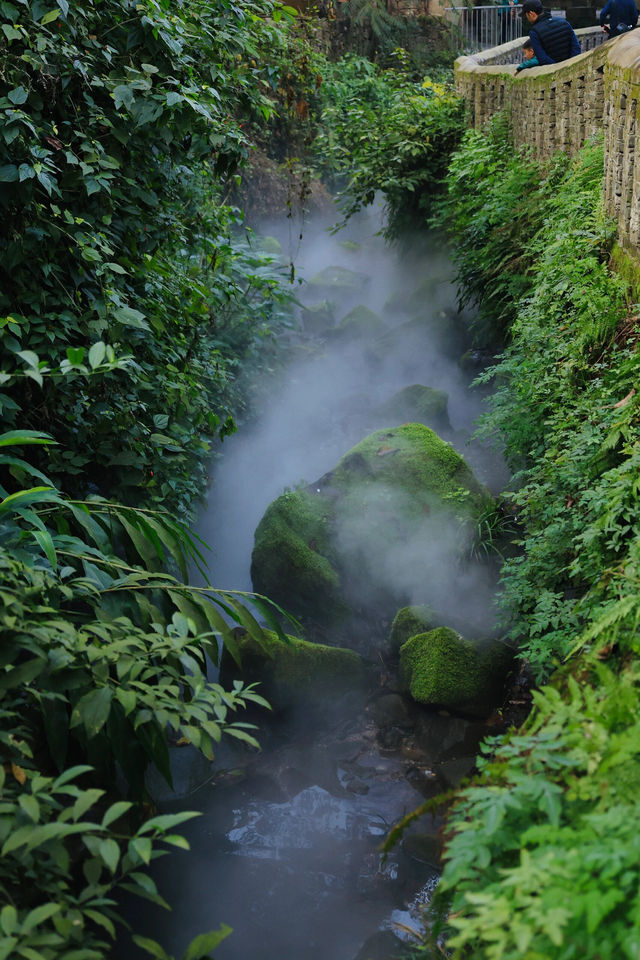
(296, 672)
(424, 293)
(417, 404)
(271, 245)
(339, 278)
(350, 245)
(408, 622)
(361, 321)
(290, 562)
(437, 331)
(318, 318)
(440, 668)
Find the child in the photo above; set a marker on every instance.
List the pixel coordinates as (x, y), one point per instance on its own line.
(530, 58)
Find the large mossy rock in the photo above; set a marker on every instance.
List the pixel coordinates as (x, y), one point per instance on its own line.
(416, 404)
(440, 668)
(335, 548)
(293, 560)
(296, 673)
(408, 622)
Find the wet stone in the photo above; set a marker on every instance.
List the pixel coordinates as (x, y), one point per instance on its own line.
(391, 710)
(424, 848)
(383, 945)
(454, 771)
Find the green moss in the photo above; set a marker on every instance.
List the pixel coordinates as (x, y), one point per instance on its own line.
(419, 404)
(628, 268)
(271, 245)
(290, 560)
(294, 671)
(414, 459)
(440, 668)
(408, 622)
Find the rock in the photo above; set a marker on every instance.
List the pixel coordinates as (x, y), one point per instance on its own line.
(294, 561)
(416, 404)
(383, 945)
(424, 293)
(408, 622)
(454, 771)
(391, 711)
(350, 245)
(440, 668)
(336, 279)
(270, 245)
(441, 737)
(357, 786)
(318, 318)
(361, 321)
(323, 552)
(296, 672)
(439, 331)
(424, 848)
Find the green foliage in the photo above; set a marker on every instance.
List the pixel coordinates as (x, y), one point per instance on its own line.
(131, 300)
(103, 659)
(542, 857)
(385, 133)
(119, 134)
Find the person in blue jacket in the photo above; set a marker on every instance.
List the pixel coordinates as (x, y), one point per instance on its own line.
(622, 16)
(553, 38)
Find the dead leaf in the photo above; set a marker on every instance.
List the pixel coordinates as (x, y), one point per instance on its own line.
(19, 774)
(383, 451)
(625, 400)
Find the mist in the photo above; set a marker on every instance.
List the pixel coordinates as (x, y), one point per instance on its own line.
(287, 849)
(324, 402)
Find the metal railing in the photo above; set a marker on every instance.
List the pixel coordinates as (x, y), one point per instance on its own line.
(480, 28)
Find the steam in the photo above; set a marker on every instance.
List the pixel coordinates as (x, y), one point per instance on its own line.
(324, 404)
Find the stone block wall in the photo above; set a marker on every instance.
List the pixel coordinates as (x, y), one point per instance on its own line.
(558, 107)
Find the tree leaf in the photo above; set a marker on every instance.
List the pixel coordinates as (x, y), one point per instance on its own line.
(92, 710)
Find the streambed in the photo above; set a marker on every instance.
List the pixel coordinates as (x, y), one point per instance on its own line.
(286, 850)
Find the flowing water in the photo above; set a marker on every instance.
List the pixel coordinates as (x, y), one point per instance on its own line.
(287, 848)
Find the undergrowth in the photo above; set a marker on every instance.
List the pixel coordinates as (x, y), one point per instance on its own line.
(542, 852)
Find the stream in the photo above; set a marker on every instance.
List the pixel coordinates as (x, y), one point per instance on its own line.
(286, 850)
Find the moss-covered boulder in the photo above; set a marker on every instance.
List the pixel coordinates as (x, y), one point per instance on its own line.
(271, 245)
(432, 331)
(338, 547)
(408, 622)
(361, 321)
(336, 279)
(295, 672)
(293, 560)
(318, 318)
(416, 404)
(440, 668)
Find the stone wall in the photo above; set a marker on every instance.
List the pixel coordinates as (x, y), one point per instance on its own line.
(557, 107)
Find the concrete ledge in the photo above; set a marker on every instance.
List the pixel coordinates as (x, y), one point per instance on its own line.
(559, 106)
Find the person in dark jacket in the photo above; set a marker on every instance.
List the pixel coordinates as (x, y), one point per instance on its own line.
(622, 16)
(553, 38)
